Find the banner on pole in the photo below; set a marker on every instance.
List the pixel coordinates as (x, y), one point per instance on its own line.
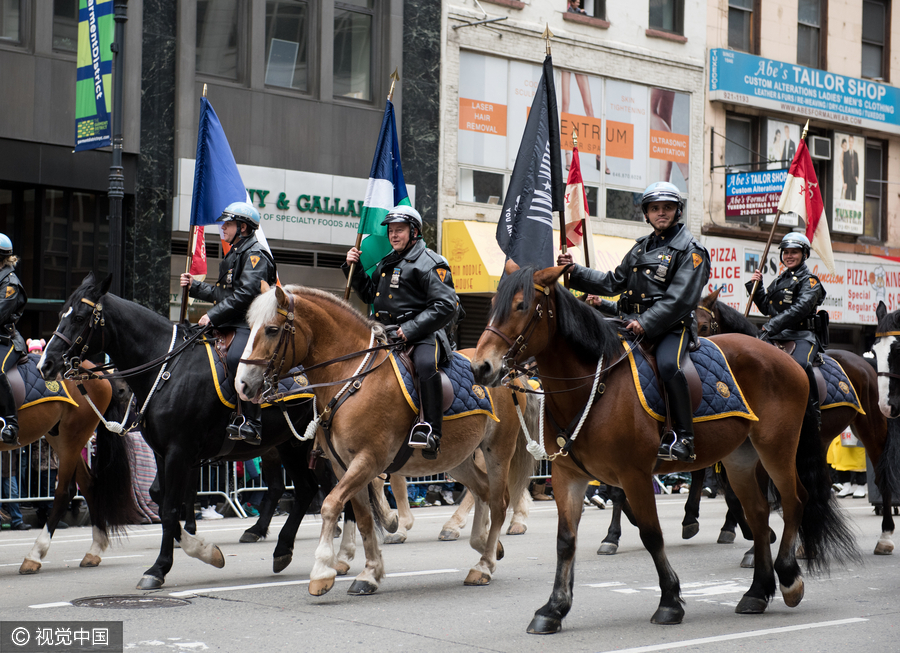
(93, 77)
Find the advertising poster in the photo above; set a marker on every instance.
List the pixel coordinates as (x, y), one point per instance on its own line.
(580, 101)
(94, 70)
(627, 134)
(523, 82)
(670, 137)
(482, 110)
(781, 140)
(849, 174)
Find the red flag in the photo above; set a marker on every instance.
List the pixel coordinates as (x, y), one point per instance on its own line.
(801, 195)
(198, 255)
(576, 204)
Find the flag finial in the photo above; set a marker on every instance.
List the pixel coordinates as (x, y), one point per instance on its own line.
(204, 90)
(394, 79)
(574, 137)
(547, 35)
(805, 129)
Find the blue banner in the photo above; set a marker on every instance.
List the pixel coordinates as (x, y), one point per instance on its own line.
(753, 193)
(746, 79)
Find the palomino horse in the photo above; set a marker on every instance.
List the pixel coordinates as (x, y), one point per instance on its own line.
(618, 443)
(106, 486)
(184, 419)
(871, 429)
(306, 326)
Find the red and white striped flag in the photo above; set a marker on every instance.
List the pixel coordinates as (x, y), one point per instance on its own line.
(198, 255)
(577, 217)
(801, 195)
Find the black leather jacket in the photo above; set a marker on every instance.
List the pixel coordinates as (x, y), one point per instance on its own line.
(412, 289)
(660, 288)
(12, 303)
(240, 276)
(789, 302)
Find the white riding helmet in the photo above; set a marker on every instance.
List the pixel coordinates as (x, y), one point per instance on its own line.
(404, 213)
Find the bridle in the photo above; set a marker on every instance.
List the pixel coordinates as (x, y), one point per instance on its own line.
(96, 321)
(713, 324)
(521, 342)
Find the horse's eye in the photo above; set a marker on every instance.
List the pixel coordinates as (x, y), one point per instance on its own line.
(520, 306)
(272, 331)
(77, 319)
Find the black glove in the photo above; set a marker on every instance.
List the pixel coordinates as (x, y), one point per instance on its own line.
(764, 336)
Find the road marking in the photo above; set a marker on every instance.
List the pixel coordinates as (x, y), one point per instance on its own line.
(734, 636)
(615, 583)
(58, 604)
(287, 583)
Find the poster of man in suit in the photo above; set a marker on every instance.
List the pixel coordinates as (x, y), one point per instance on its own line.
(781, 143)
(848, 164)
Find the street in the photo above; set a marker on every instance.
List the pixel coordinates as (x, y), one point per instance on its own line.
(423, 606)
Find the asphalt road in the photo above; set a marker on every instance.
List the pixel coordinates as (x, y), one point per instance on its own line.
(423, 606)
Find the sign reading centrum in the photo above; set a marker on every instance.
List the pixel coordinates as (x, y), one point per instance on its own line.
(743, 78)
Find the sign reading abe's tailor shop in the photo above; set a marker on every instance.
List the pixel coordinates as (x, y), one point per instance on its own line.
(753, 193)
(746, 79)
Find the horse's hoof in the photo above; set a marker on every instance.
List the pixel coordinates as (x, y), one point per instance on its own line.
(448, 536)
(883, 548)
(794, 594)
(687, 532)
(320, 587)
(500, 551)
(725, 537)
(90, 560)
(477, 578)
(149, 582)
(395, 538)
(280, 563)
(668, 616)
(342, 568)
(607, 549)
(362, 588)
(542, 625)
(392, 524)
(217, 559)
(249, 537)
(751, 605)
(748, 561)
(517, 529)
(29, 567)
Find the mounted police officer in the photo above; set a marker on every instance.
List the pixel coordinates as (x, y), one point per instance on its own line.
(241, 274)
(12, 345)
(790, 302)
(411, 287)
(660, 280)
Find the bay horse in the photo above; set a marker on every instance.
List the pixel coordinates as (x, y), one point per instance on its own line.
(298, 325)
(106, 486)
(184, 420)
(715, 316)
(618, 443)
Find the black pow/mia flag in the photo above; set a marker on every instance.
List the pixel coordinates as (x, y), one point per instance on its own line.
(536, 187)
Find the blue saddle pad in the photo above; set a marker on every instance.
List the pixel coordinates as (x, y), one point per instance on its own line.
(839, 389)
(722, 397)
(228, 395)
(36, 389)
(468, 397)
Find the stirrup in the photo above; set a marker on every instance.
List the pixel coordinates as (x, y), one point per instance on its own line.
(234, 429)
(9, 433)
(419, 435)
(667, 451)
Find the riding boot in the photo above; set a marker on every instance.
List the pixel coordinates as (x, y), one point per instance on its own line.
(247, 427)
(9, 432)
(427, 434)
(812, 405)
(679, 443)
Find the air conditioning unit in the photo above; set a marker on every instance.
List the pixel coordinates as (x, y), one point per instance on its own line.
(820, 148)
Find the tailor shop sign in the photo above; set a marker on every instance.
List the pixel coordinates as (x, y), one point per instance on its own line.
(753, 193)
(741, 78)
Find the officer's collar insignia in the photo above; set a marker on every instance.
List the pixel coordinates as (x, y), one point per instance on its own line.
(812, 282)
(254, 260)
(11, 290)
(697, 259)
(442, 273)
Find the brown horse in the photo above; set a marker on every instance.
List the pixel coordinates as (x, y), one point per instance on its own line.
(871, 428)
(367, 432)
(106, 486)
(618, 442)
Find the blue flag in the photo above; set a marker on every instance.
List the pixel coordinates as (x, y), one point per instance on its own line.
(217, 182)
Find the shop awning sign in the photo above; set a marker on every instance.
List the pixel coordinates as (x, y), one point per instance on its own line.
(753, 193)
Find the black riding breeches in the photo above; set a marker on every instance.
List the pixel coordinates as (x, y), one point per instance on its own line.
(669, 351)
(803, 352)
(425, 359)
(236, 351)
(8, 355)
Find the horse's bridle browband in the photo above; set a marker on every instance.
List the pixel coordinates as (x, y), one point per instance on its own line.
(85, 336)
(713, 324)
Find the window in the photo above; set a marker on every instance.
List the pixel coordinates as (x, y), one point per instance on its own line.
(287, 44)
(481, 186)
(738, 144)
(353, 28)
(740, 25)
(10, 21)
(595, 8)
(874, 38)
(667, 15)
(218, 42)
(623, 205)
(875, 189)
(810, 48)
(65, 25)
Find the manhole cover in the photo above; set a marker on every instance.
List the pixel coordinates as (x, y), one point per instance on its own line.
(132, 602)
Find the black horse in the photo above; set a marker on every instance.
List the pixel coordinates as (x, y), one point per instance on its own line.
(184, 421)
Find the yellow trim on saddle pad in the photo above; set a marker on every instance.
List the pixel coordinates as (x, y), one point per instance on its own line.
(68, 398)
(706, 418)
(857, 406)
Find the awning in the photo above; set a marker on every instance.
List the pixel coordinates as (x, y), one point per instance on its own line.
(476, 261)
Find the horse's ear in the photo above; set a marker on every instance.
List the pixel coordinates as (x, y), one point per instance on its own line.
(105, 284)
(280, 297)
(510, 267)
(549, 276)
(712, 298)
(264, 286)
(881, 311)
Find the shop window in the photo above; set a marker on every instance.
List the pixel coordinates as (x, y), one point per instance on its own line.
(65, 25)
(218, 38)
(738, 144)
(876, 23)
(481, 186)
(623, 205)
(10, 21)
(740, 25)
(592, 193)
(810, 35)
(353, 29)
(287, 44)
(667, 15)
(592, 8)
(875, 189)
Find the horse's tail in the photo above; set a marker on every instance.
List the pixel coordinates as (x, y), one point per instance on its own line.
(888, 471)
(114, 502)
(381, 512)
(523, 465)
(825, 531)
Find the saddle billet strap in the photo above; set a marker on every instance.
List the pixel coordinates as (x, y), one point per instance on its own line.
(286, 395)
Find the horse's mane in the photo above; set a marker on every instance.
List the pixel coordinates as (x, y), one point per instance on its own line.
(263, 309)
(733, 321)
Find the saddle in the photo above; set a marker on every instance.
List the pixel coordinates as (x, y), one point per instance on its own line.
(405, 357)
(788, 347)
(695, 385)
(16, 382)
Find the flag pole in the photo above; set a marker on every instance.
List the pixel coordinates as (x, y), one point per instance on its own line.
(190, 257)
(547, 35)
(765, 255)
(359, 237)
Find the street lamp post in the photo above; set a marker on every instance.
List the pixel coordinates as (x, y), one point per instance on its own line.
(116, 174)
